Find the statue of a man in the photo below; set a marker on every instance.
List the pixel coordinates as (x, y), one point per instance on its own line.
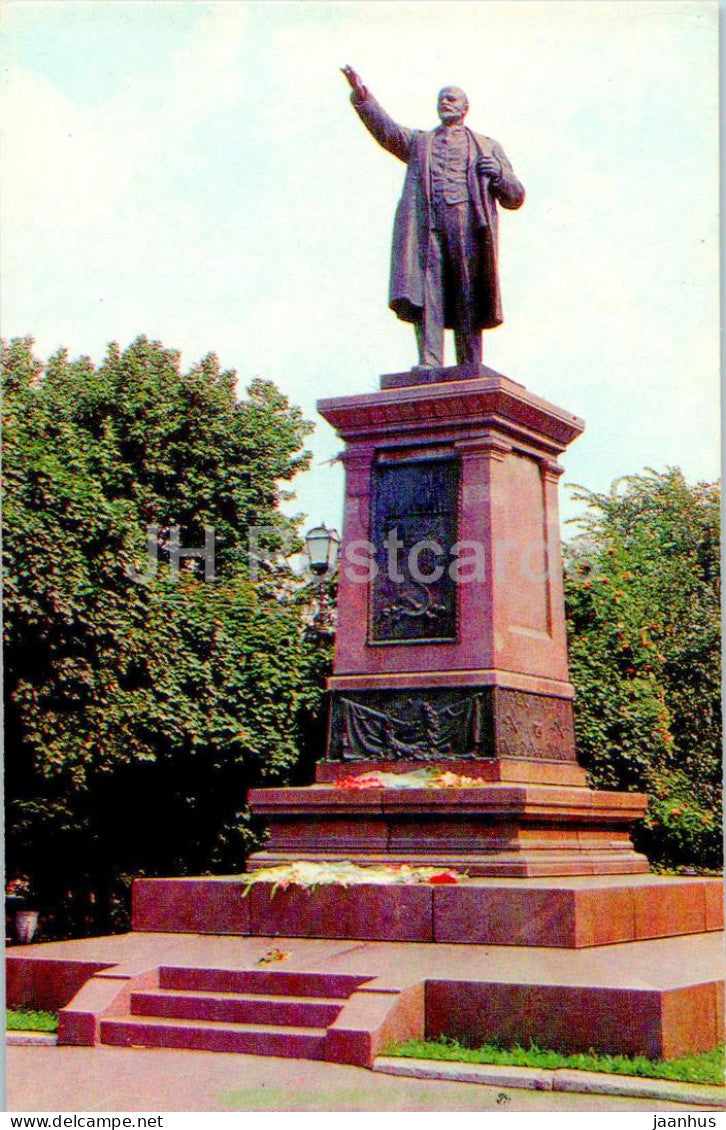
(444, 258)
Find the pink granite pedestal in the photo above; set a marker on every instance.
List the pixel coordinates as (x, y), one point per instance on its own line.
(468, 673)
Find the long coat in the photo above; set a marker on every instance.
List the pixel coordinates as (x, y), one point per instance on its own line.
(414, 215)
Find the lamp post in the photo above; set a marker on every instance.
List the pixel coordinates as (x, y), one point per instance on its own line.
(322, 547)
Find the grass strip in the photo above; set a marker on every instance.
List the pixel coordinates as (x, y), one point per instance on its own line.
(31, 1020)
(706, 1067)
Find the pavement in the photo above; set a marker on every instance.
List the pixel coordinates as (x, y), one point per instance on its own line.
(69, 1079)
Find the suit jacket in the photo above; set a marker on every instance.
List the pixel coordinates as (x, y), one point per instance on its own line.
(414, 220)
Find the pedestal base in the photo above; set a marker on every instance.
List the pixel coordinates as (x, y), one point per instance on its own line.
(497, 829)
(566, 913)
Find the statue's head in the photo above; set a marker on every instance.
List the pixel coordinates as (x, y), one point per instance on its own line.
(452, 105)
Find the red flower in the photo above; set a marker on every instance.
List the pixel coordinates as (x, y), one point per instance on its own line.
(444, 877)
(369, 781)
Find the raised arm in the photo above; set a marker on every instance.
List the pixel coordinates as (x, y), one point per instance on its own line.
(396, 139)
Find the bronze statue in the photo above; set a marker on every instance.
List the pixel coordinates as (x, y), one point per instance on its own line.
(444, 257)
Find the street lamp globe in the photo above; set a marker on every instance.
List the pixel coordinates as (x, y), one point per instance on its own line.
(322, 546)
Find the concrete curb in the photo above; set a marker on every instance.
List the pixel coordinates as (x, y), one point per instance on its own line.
(43, 1039)
(541, 1079)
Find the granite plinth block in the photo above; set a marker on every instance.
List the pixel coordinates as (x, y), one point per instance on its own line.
(45, 983)
(576, 915)
(207, 905)
(714, 897)
(571, 1018)
(567, 913)
(375, 912)
(692, 1012)
(656, 906)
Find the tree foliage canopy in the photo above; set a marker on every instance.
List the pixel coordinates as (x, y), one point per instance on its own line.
(138, 712)
(643, 603)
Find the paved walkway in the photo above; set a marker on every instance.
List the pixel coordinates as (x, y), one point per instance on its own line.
(69, 1079)
(661, 963)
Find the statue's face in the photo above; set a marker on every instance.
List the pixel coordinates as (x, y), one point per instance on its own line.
(452, 104)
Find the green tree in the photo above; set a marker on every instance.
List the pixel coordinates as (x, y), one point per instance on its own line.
(643, 606)
(139, 711)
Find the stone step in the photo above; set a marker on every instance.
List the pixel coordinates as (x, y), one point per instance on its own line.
(263, 982)
(211, 1036)
(276, 1009)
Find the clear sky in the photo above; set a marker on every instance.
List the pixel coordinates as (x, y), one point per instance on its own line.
(194, 171)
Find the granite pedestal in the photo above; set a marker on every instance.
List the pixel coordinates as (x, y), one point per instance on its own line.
(451, 644)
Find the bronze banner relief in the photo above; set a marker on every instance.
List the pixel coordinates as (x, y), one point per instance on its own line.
(434, 725)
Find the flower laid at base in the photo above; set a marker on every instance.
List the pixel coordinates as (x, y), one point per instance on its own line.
(419, 779)
(302, 873)
(272, 956)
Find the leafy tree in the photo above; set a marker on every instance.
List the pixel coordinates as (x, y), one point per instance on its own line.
(643, 605)
(138, 711)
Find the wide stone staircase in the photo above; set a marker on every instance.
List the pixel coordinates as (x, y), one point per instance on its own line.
(260, 1012)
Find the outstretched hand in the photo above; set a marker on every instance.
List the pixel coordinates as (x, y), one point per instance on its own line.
(354, 80)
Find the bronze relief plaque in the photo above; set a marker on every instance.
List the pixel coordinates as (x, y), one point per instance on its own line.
(414, 527)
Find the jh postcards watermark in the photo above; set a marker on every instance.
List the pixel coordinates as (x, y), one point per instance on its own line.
(425, 561)
(167, 539)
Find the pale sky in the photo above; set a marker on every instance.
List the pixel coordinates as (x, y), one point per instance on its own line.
(194, 171)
